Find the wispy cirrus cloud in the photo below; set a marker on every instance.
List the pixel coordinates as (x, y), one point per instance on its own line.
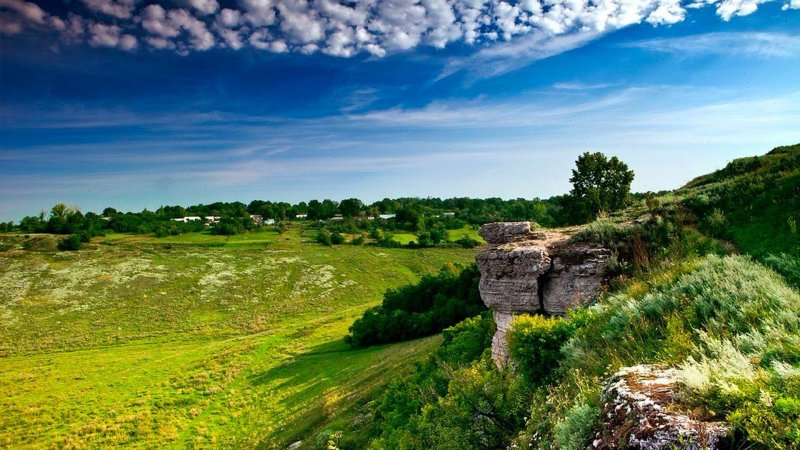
(505, 57)
(753, 44)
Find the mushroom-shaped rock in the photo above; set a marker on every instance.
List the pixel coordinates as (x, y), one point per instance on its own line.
(526, 271)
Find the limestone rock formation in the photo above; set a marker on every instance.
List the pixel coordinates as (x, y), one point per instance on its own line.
(525, 271)
(640, 412)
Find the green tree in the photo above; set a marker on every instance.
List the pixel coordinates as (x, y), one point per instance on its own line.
(598, 184)
(350, 207)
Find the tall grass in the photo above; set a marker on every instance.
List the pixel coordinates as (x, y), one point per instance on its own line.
(730, 325)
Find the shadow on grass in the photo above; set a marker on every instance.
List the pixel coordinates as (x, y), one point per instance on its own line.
(329, 380)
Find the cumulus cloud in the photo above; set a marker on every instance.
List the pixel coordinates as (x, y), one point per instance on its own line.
(102, 35)
(507, 34)
(204, 7)
(121, 9)
(171, 24)
(16, 15)
(793, 4)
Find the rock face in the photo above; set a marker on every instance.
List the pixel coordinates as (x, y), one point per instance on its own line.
(528, 272)
(640, 412)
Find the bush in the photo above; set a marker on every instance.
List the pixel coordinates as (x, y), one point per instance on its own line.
(435, 303)
(70, 243)
(337, 238)
(715, 224)
(465, 341)
(358, 240)
(786, 265)
(604, 233)
(324, 237)
(576, 429)
(468, 242)
(535, 344)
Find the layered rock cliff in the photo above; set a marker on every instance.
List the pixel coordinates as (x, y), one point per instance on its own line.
(526, 271)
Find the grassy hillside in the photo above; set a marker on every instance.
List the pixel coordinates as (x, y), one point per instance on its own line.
(193, 340)
(682, 298)
(753, 201)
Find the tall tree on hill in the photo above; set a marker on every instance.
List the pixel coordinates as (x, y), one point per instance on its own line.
(598, 184)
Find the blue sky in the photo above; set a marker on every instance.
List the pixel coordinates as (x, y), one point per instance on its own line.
(136, 104)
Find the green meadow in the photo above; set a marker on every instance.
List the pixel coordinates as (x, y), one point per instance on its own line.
(194, 341)
(404, 238)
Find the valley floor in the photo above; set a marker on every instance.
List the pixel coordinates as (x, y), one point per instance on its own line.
(190, 342)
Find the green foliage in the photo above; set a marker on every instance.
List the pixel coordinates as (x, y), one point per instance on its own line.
(468, 242)
(535, 344)
(465, 342)
(786, 265)
(337, 238)
(436, 302)
(576, 429)
(324, 237)
(351, 207)
(455, 399)
(715, 224)
(598, 184)
(432, 216)
(70, 243)
(758, 197)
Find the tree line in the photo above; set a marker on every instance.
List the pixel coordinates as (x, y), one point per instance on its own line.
(599, 184)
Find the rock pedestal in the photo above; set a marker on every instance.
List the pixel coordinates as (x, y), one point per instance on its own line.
(524, 271)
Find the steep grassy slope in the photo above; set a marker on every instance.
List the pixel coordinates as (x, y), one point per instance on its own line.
(193, 341)
(753, 201)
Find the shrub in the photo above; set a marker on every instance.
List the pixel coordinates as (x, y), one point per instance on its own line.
(435, 303)
(786, 265)
(358, 240)
(535, 344)
(716, 224)
(464, 342)
(468, 242)
(576, 429)
(337, 238)
(324, 237)
(70, 243)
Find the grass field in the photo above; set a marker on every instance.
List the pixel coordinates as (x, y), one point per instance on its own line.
(194, 340)
(452, 235)
(404, 238)
(469, 232)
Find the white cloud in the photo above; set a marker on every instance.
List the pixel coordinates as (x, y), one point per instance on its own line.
(102, 35)
(667, 13)
(299, 22)
(26, 10)
(508, 56)
(229, 18)
(752, 44)
(121, 9)
(19, 15)
(729, 8)
(259, 12)
(204, 7)
(170, 24)
(507, 34)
